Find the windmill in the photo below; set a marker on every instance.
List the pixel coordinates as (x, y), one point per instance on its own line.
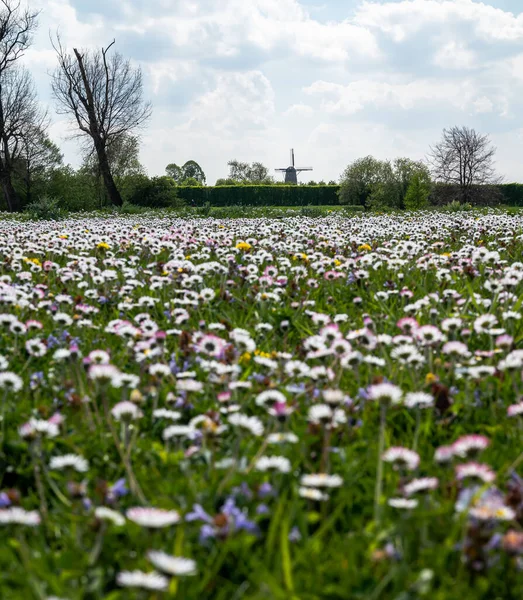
(291, 172)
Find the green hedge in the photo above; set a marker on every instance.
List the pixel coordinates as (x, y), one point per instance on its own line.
(512, 194)
(261, 195)
(508, 194)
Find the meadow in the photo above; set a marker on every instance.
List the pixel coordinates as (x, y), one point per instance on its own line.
(264, 408)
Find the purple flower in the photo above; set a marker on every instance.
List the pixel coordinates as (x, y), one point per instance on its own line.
(206, 532)
(52, 341)
(117, 490)
(198, 514)
(363, 394)
(294, 535)
(4, 500)
(262, 509)
(265, 490)
(243, 490)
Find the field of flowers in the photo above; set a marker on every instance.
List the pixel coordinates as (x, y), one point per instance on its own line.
(289, 408)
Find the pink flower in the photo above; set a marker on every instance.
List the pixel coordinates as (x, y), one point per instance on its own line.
(515, 409)
(476, 471)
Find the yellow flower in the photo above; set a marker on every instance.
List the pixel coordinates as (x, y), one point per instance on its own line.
(64, 236)
(188, 257)
(243, 246)
(35, 261)
(337, 262)
(301, 256)
(430, 378)
(103, 245)
(245, 358)
(445, 254)
(364, 247)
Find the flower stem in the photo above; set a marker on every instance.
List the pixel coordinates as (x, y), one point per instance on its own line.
(379, 473)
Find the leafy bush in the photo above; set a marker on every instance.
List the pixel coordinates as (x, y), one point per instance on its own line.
(204, 211)
(312, 212)
(45, 208)
(455, 207)
(158, 192)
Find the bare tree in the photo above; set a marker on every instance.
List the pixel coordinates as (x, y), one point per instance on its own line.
(104, 96)
(464, 158)
(23, 124)
(17, 96)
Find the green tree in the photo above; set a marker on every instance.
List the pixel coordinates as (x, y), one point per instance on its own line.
(175, 172)
(76, 190)
(39, 157)
(191, 181)
(404, 170)
(361, 178)
(417, 194)
(191, 169)
(244, 172)
(222, 182)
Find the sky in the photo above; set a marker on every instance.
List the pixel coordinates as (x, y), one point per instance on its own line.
(334, 79)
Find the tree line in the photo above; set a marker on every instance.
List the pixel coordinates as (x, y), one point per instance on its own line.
(460, 167)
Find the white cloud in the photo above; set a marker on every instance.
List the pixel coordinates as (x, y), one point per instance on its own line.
(358, 95)
(299, 110)
(239, 102)
(455, 55)
(483, 105)
(225, 27)
(401, 19)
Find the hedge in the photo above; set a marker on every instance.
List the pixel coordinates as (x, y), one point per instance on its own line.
(512, 194)
(261, 195)
(509, 194)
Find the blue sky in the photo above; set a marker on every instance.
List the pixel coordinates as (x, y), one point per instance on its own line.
(335, 79)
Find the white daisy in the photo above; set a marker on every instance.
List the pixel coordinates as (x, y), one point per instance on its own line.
(147, 581)
(126, 411)
(177, 431)
(72, 461)
(403, 503)
(321, 480)
(273, 463)
(103, 513)
(252, 424)
(153, 518)
(19, 516)
(312, 494)
(172, 565)
(385, 393)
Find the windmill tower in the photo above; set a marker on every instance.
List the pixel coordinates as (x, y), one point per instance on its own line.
(291, 172)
